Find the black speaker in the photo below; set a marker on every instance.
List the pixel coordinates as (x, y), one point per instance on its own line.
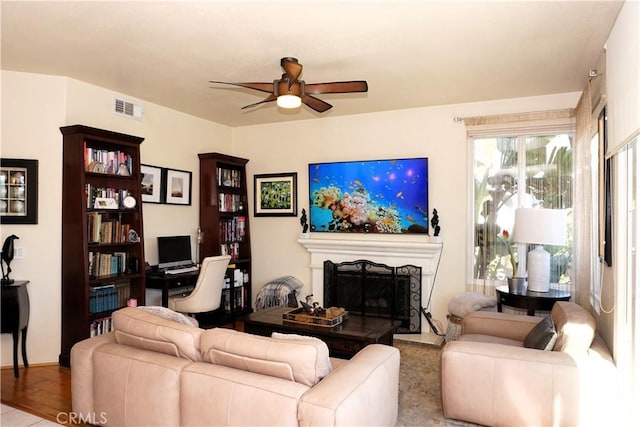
(132, 265)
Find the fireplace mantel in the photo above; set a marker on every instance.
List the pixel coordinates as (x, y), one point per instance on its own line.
(364, 248)
(396, 251)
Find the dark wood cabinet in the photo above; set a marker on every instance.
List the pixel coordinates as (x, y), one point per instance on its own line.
(224, 220)
(15, 318)
(102, 231)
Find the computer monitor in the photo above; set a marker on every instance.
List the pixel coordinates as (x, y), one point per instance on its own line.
(174, 251)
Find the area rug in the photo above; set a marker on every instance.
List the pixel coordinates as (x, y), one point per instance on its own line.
(419, 396)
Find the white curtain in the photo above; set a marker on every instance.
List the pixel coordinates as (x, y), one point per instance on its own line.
(585, 242)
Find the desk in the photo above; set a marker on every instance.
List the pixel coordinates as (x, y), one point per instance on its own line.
(15, 317)
(531, 301)
(159, 280)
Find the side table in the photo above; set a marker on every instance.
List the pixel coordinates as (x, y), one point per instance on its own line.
(15, 318)
(531, 301)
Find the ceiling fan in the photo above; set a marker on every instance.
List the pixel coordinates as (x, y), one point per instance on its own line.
(289, 92)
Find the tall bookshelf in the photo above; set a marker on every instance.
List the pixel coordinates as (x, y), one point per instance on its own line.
(102, 231)
(224, 221)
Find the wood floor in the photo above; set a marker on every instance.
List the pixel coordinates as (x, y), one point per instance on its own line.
(42, 390)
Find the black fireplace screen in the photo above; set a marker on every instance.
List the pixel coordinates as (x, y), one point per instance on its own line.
(369, 289)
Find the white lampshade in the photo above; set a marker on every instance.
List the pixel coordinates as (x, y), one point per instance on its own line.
(540, 227)
(289, 101)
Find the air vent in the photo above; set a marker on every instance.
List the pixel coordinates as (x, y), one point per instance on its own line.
(126, 108)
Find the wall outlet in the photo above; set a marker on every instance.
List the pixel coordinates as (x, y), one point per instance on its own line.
(19, 253)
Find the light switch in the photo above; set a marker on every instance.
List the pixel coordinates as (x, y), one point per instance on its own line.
(19, 252)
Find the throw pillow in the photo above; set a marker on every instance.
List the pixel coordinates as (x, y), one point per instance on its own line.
(543, 336)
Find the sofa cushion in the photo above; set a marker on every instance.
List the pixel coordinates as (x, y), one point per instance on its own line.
(575, 327)
(305, 361)
(139, 328)
(543, 336)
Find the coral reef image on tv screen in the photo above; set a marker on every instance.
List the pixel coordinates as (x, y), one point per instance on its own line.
(372, 196)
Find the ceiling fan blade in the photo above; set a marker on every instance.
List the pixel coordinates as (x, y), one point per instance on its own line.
(263, 87)
(292, 69)
(317, 104)
(269, 98)
(337, 87)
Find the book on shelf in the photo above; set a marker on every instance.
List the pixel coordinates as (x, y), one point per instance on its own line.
(228, 177)
(100, 326)
(229, 202)
(232, 249)
(103, 298)
(112, 162)
(236, 296)
(106, 264)
(233, 229)
(102, 229)
(94, 193)
(109, 297)
(235, 276)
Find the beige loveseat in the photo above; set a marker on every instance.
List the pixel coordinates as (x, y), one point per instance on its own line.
(490, 378)
(154, 371)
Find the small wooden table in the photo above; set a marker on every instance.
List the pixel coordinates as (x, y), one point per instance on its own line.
(343, 340)
(15, 318)
(531, 301)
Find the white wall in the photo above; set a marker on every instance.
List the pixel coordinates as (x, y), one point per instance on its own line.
(34, 107)
(430, 132)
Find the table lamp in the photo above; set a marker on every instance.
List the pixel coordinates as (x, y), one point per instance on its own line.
(540, 227)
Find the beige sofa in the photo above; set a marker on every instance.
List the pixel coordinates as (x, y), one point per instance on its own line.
(155, 371)
(490, 378)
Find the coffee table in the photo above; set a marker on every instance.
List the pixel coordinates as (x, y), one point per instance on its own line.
(343, 340)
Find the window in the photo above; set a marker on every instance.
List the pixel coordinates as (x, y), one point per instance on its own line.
(530, 168)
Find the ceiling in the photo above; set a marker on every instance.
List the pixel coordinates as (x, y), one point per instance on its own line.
(412, 53)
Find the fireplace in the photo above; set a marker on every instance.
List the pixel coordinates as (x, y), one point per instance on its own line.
(371, 289)
(393, 252)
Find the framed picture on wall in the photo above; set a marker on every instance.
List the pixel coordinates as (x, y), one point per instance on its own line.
(18, 191)
(151, 191)
(275, 194)
(178, 187)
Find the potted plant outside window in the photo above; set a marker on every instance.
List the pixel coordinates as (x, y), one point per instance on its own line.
(517, 285)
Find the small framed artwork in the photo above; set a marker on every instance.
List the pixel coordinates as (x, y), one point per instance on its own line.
(275, 194)
(152, 191)
(178, 186)
(18, 191)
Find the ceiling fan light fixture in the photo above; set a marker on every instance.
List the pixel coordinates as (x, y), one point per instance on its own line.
(289, 101)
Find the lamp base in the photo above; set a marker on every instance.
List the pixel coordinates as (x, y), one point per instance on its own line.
(538, 269)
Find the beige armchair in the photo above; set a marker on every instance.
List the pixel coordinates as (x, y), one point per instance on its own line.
(207, 294)
(490, 378)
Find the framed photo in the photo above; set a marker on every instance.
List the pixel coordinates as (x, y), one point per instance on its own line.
(178, 187)
(151, 191)
(275, 194)
(18, 191)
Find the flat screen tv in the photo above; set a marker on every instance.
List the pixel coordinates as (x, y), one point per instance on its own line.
(369, 196)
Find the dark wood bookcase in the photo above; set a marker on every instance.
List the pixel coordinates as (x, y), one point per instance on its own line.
(102, 236)
(224, 220)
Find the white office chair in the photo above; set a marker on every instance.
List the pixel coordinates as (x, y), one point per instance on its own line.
(207, 294)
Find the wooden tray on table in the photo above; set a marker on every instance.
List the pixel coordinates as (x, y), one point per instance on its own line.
(332, 316)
